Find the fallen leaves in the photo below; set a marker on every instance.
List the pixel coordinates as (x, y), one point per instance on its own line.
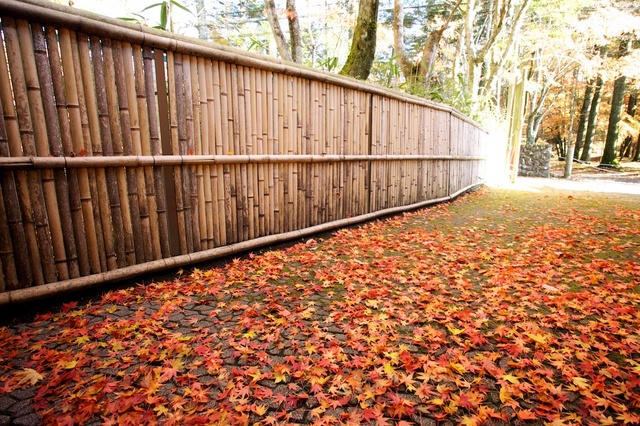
(518, 314)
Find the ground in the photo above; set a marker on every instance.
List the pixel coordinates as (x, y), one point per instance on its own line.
(506, 306)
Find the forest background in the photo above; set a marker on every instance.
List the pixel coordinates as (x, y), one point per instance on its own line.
(566, 71)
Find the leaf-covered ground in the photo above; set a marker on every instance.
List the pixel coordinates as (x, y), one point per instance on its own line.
(502, 307)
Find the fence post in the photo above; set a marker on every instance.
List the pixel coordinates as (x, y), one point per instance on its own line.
(165, 137)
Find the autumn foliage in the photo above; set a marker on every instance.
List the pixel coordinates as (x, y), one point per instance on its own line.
(498, 308)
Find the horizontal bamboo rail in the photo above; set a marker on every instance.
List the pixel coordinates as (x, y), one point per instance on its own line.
(126, 150)
(183, 160)
(83, 283)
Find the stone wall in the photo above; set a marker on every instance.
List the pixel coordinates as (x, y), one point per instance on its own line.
(534, 160)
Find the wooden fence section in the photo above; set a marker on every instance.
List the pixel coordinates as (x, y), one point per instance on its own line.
(121, 146)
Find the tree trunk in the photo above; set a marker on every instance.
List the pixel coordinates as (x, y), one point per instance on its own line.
(294, 32)
(582, 121)
(281, 42)
(633, 101)
(568, 158)
(636, 154)
(609, 155)
(363, 45)
(406, 66)
(201, 13)
(591, 122)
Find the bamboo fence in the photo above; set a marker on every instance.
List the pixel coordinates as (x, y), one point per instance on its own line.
(125, 150)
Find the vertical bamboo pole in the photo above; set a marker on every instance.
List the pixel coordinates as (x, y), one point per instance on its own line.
(128, 53)
(215, 218)
(336, 194)
(105, 148)
(16, 191)
(312, 143)
(206, 132)
(131, 183)
(222, 185)
(272, 142)
(227, 148)
(27, 136)
(9, 219)
(300, 97)
(258, 124)
(76, 247)
(192, 188)
(254, 111)
(173, 63)
(86, 148)
(283, 132)
(237, 201)
(35, 96)
(239, 147)
(162, 194)
(92, 117)
(69, 106)
(251, 141)
(63, 209)
(199, 121)
(115, 148)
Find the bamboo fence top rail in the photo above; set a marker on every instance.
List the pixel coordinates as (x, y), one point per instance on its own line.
(180, 160)
(84, 21)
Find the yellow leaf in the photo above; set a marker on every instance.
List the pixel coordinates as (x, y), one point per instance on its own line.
(260, 409)
(70, 365)
(511, 379)
(249, 335)
(455, 331)
(467, 421)
(437, 401)
(82, 340)
(539, 338)
(458, 368)
(161, 410)
(580, 382)
(372, 303)
(388, 368)
(28, 375)
(505, 396)
(279, 377)
(112, 309)
(607, 421)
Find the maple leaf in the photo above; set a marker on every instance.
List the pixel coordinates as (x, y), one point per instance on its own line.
(580, 382)
(161, 410)
(468, 421)
(511, 379)
(526, 415)
(28, 376)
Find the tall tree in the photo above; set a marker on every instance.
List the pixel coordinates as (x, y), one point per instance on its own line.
(281, 42)
(591, 122)
(363, 43)
(582, 118)
(545, 73)
(294, 31)
(418, 71)
(609, 155)
(201, 14)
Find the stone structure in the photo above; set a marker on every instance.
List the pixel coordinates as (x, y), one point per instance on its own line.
(534, 160)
